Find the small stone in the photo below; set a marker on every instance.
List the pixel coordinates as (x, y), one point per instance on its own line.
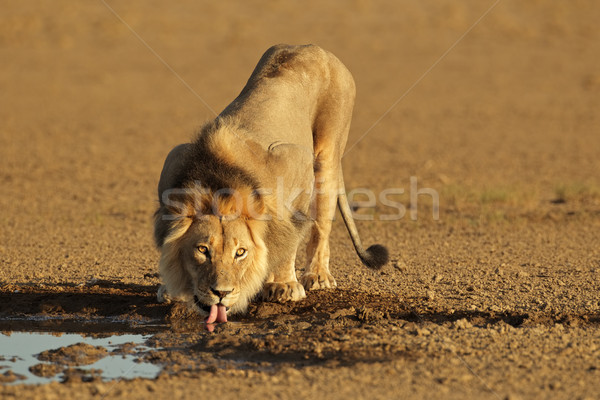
(98, 389)
(368, 315)
(400, 266)
(423, 332)
(512, 397)
(554, 385)
(462, 324)
(303, 325)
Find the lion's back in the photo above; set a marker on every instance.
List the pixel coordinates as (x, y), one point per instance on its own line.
(304, 62)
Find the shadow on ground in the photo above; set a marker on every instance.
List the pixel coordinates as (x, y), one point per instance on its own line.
(105, 303)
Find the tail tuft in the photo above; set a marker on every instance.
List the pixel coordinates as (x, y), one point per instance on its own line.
(376, 256)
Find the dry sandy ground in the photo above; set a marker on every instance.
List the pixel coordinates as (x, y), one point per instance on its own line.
(496, 299)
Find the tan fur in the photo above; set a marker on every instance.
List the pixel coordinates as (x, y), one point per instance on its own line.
(276, 152)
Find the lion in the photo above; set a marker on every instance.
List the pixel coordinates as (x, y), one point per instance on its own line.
(236, 203)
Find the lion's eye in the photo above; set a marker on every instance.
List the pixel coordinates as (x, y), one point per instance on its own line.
(203, 249)
(240, 252)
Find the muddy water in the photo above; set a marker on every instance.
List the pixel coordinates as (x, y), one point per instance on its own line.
(35, 358)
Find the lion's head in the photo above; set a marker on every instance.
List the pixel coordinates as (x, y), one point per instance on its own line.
(213, 251)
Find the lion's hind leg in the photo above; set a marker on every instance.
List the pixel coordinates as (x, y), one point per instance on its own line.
(316, 274)
(330, 133)
(282, 285)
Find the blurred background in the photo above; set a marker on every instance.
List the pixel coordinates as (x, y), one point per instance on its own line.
(94, 94)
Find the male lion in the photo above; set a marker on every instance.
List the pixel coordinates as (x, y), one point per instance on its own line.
(236, 203)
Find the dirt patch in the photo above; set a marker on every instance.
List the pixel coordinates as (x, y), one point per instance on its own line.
(76, 354)
(46, 370)
(10, 377)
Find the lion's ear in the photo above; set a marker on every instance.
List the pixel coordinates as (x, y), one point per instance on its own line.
(173, 218)
(174, 163)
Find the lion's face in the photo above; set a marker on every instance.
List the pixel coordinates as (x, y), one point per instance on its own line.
(215, 261)
(222, 258)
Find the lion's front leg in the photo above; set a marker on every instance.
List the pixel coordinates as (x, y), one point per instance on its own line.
(162, 296)
(281, 292)
(283, 285)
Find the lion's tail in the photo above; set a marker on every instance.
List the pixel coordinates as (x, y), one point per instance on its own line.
(376, 256)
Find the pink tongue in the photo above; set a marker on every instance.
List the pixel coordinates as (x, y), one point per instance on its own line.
(222, 314)
(217, 313)
(212, 316)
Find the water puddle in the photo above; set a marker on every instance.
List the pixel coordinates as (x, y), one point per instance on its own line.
(37, 358)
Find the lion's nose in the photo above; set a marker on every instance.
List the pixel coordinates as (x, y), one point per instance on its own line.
(221, 293)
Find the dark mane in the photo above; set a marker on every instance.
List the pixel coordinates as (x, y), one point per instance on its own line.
(208, 168)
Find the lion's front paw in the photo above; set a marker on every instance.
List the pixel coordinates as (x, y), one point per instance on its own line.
(162, 296)
(313, 281)
(282, 292)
